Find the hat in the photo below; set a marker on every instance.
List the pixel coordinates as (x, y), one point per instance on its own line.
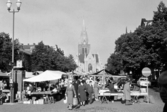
(163, 78)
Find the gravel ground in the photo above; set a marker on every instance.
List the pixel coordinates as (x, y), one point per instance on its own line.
(95, 107)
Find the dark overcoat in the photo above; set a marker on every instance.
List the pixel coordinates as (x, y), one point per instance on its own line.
(90, 89)
(82, 92)
(76, 84)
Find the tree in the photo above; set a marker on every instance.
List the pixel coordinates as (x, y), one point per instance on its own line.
(45, 57)
(72, 64)
(146, 46)
(160, 16)
(130, 47)
(41, 58)
(6, 52)
(114, 63)
(160, 26)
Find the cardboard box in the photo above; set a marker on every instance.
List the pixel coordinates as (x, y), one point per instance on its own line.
(41, 101)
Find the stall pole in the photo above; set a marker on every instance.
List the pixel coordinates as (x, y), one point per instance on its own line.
(147, 94)
(22, 92)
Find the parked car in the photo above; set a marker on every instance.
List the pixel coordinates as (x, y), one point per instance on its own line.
(143, 81)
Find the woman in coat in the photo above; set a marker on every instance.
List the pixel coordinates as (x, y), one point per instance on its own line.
(82, 93)
(96, 90)
(70, 93)
(126, 92)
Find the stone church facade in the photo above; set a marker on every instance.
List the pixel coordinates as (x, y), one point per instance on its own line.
(87, 61)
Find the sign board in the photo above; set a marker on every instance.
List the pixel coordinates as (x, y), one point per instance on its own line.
(146, 71)
(10, 80)
(19, 64)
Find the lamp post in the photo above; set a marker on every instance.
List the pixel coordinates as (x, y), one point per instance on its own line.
(13, 11)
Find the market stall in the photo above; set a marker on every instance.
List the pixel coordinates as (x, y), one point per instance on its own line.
(48, 75)
(105, 92)
(4, 85)
(41, 97)
(142, 91)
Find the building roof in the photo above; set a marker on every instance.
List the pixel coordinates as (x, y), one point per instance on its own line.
(27, 49)
(27, 46)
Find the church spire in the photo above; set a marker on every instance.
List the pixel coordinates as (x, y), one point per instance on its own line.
(84, 36)
(84, 26)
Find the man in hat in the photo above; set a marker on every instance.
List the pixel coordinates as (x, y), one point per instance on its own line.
(90, 91)
(86, 84)
(163, 88)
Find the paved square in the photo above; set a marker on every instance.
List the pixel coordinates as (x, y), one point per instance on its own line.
(95, 107)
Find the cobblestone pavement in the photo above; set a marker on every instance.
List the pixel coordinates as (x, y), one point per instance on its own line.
(122, 108)
(95, 107)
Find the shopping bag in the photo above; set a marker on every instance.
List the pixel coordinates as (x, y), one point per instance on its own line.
(65, 100)
(93, 96)
(75, 101)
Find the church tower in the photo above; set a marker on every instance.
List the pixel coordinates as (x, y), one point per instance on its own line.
(87, 62)
(83, 46)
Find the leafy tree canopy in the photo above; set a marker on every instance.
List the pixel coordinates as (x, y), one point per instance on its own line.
(47, 58)
(146, 46)
(6, 52)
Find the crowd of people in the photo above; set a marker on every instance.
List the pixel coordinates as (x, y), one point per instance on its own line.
(83, 90)
(86, 90)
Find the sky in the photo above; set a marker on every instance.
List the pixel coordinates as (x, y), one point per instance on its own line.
(59, 22)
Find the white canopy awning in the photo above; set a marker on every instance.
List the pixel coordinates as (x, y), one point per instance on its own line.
(48, 75)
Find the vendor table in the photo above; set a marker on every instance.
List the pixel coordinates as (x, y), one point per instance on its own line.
(43, 93)
(47, 95)
(6, 91)
(105, 92)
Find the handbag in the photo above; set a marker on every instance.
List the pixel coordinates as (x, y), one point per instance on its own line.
(65, 100)
(75, 101)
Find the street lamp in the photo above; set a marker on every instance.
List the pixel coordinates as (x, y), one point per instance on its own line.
(13, 11)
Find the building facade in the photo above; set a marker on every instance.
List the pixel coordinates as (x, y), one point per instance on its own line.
(87, 61)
